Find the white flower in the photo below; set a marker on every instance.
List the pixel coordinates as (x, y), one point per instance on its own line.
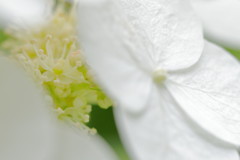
(176, 100)
(29, 131)
(24, 13)
(221, 20)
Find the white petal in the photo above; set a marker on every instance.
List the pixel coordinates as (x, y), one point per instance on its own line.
(29, 131)
(24, 13)
(74, 145)
(221, 20)
(109, 59)
(163, 132)
(155, 33)
(168, 29)
(26, 127)
(209, 93)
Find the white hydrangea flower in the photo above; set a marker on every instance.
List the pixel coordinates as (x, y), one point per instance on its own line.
(29, 131)
(176, 96)
(221, 20)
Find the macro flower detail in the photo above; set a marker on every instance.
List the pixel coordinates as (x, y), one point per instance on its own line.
(177, 39)
(51, 54)
(177, 96)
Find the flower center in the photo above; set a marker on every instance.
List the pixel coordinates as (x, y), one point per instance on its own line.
(159, 75)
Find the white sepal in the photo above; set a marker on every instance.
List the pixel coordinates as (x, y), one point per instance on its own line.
(164, 132)
(209, 93)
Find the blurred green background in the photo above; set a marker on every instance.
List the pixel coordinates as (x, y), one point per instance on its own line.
(103, 121)
(3, 36)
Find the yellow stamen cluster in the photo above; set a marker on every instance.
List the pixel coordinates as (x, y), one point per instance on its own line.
(52, 55)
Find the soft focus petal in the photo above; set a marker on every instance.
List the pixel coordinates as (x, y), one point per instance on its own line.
(164, 133)
(221, 20)
(24, 13)
(75, 145)
(26, 127)
(29, 131)
(108, 57)
(209, 93)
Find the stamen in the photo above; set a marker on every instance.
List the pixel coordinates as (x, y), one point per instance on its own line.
(52, 55)
(64, 51)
